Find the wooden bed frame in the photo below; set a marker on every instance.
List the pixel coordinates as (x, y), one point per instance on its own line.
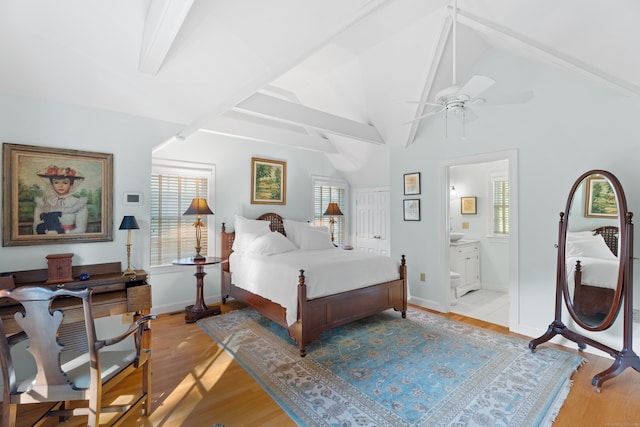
(594, 300)
(318, 314)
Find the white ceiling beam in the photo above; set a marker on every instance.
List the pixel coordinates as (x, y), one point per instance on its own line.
(436, 60)
(272, 108)
(276, 69)
(163, 22)
(519, 41)
(243, 129)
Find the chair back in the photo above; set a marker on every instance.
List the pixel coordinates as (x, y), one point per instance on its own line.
(43, 326)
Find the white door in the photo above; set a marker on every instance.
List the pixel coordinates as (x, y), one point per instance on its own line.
(372, 222)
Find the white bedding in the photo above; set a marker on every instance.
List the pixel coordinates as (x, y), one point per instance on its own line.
(326, 271)
(595, 272)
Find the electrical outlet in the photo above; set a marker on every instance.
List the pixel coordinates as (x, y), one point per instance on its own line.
(636, 316)
(422, 277)
(127, 318)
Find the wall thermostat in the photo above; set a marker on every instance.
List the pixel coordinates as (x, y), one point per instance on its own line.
(133, 198)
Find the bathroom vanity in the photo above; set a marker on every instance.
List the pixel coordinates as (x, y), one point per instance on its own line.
(464, 259)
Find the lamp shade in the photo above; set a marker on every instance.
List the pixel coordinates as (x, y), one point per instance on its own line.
(198, 206)
(333, 209)
(129, 223)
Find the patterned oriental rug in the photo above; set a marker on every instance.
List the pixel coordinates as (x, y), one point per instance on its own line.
(424, 370)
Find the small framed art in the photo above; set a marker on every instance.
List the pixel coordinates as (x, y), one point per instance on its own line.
(411, 183)
(468, 205)
(411, 209)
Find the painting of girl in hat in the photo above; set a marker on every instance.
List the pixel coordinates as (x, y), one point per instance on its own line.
(58, 211)
(55, 195)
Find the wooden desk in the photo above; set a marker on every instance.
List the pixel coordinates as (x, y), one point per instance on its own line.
(199, 309)
(113, 293)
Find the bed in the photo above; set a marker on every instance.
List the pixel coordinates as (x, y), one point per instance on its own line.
(310, 314)
(593, 268)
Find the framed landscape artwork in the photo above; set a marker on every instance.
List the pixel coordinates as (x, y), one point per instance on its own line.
(600, 199)
(268, 182)
(53, 195)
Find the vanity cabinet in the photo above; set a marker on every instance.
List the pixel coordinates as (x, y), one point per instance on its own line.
(464, 259)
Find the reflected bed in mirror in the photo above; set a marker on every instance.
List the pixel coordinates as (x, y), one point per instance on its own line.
(592, 272)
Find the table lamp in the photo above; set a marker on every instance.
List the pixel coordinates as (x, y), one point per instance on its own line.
(332, 210)
(129, 223)
(198, 207)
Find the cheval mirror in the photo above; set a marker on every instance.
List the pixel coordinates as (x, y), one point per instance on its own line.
(595, 269)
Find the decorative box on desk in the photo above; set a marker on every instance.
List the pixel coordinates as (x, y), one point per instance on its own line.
(113, 293)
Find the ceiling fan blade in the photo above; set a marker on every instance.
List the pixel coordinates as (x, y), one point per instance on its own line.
(510, 98)
(425, 116)
(476, 85)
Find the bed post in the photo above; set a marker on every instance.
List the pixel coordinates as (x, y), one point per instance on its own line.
(403, 276)
(302, 323)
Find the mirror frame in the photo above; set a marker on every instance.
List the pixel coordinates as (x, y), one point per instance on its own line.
(622, 251)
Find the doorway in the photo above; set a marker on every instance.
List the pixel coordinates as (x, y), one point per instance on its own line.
(492, 295)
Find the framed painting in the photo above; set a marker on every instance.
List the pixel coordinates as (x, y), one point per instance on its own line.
(411, 183)
(53, 195)
(600, 199)
(268, 182)
(468, 205)
(411, 209)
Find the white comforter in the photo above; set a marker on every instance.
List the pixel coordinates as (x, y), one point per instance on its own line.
(595, 272)
(326, 271)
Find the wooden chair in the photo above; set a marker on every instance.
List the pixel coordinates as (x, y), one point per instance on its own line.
(71, 364)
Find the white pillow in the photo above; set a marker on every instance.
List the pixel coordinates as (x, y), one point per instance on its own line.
(592, 248)
(315, 238)
(294, 230)
(582, 235)
(270, 244)
(246, 232)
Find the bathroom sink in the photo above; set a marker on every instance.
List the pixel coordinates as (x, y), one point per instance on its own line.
(454, 237)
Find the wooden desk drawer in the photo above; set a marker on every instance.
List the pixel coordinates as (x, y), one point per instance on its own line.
(139, 298)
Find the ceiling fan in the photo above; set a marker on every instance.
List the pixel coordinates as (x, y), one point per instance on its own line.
(457, 99)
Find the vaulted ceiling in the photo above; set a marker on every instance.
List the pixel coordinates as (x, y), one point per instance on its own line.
(321, 75)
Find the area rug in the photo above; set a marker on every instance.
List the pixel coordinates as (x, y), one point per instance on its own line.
(424, 370)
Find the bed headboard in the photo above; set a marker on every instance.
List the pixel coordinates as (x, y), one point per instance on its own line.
(610, 235)
(226, 239)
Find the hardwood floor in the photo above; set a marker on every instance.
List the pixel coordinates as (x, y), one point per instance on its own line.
(196, 383)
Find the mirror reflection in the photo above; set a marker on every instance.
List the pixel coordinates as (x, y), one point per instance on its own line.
(591, 250)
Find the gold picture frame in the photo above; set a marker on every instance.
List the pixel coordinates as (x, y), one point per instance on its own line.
(54, 195)
(468, 205)
(268, 182)
(600, 198)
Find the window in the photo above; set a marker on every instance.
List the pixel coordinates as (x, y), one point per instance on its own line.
(173, 186)
(325, 192)
(500, 186)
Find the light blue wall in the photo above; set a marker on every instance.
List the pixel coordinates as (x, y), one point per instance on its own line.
(570, 126)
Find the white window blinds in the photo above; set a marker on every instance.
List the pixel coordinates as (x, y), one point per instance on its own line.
(172, 234)
(501, 206)
(325, 193)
